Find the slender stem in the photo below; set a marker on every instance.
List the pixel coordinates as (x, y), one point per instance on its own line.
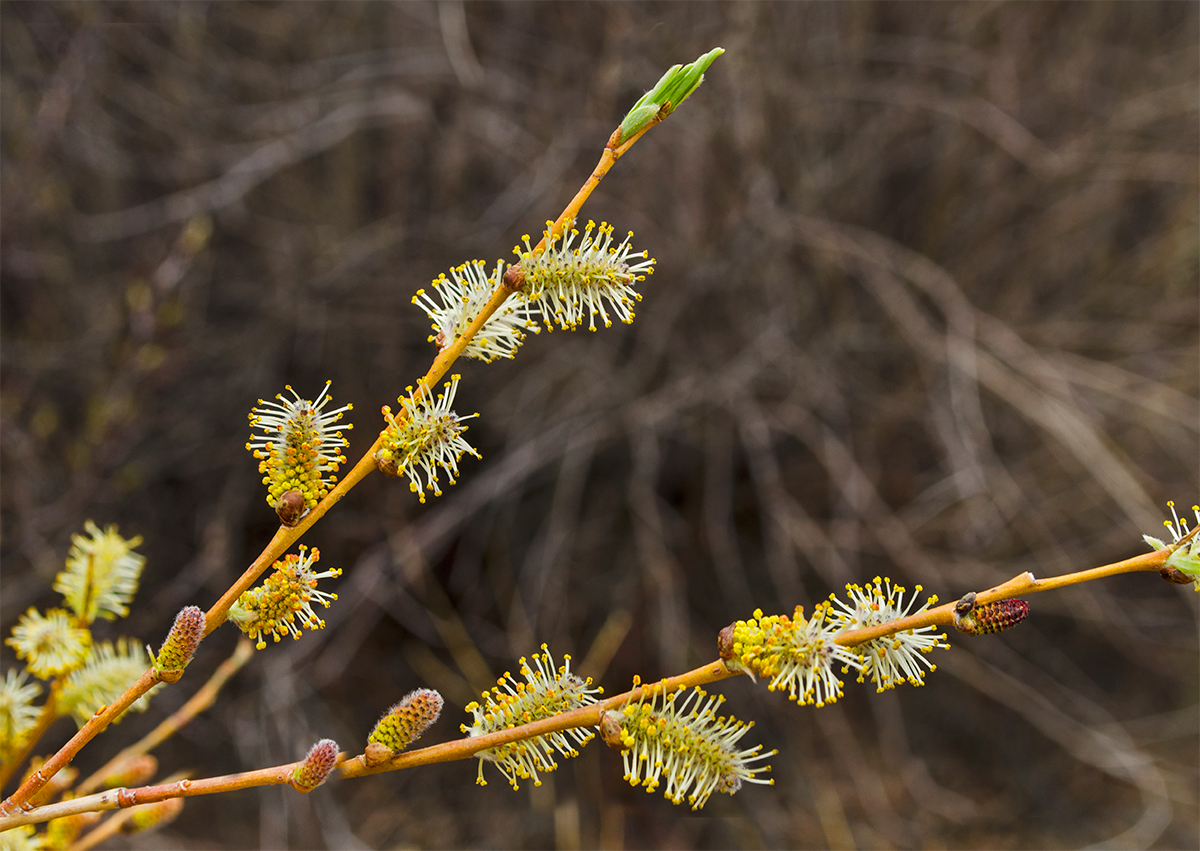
(607, 160)
(111, 825)
(587, 716)
(103, 717)
(47, 717)
(121, 798)
(199, 702)
(1023, 584)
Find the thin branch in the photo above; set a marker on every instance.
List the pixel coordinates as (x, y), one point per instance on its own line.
(111, 826)
(47, 717)
(1023, 584)
(104, 716)
(199, 702)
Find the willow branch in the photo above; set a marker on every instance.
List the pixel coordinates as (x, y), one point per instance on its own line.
(286, 536)
(585, 716)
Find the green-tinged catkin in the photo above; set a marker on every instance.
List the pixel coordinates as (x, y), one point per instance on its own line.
(101, 573)
(684, 743)
(569, 283)
(49, 644)
(110, 669)
(547, 692)
(147, 817)
(404, 723)
(23, 838)
(18, 714)
(456, 301)
(132, 772)
(793, 653)
(61, 832)
(424, 436)
(896, 658)
(299, 449)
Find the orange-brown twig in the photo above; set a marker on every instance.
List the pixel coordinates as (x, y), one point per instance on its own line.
(48, 716)
(1023, 584)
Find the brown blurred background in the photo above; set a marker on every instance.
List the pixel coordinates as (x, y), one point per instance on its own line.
(926, 307)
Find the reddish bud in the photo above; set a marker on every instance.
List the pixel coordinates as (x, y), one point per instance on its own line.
(61, 832)
(514, 277)
(1174, 575)
(725, 642)
(610, 730)
(321, 760)
(386, 463)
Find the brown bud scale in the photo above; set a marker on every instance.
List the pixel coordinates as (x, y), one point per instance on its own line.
(377, 753)
(514, 277)
(725, 642)
(1174, 575)
(387, 466)
(290, 508)
(610, 729)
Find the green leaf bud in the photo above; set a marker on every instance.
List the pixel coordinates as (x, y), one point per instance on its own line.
(672, 89)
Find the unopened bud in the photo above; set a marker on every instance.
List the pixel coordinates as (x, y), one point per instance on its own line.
(321, 760)
(291, 508)
(180, 645)
(152, 816)
(377, 754)
(407, 720)
(132, 772)
(668, 93)
(990, 617)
